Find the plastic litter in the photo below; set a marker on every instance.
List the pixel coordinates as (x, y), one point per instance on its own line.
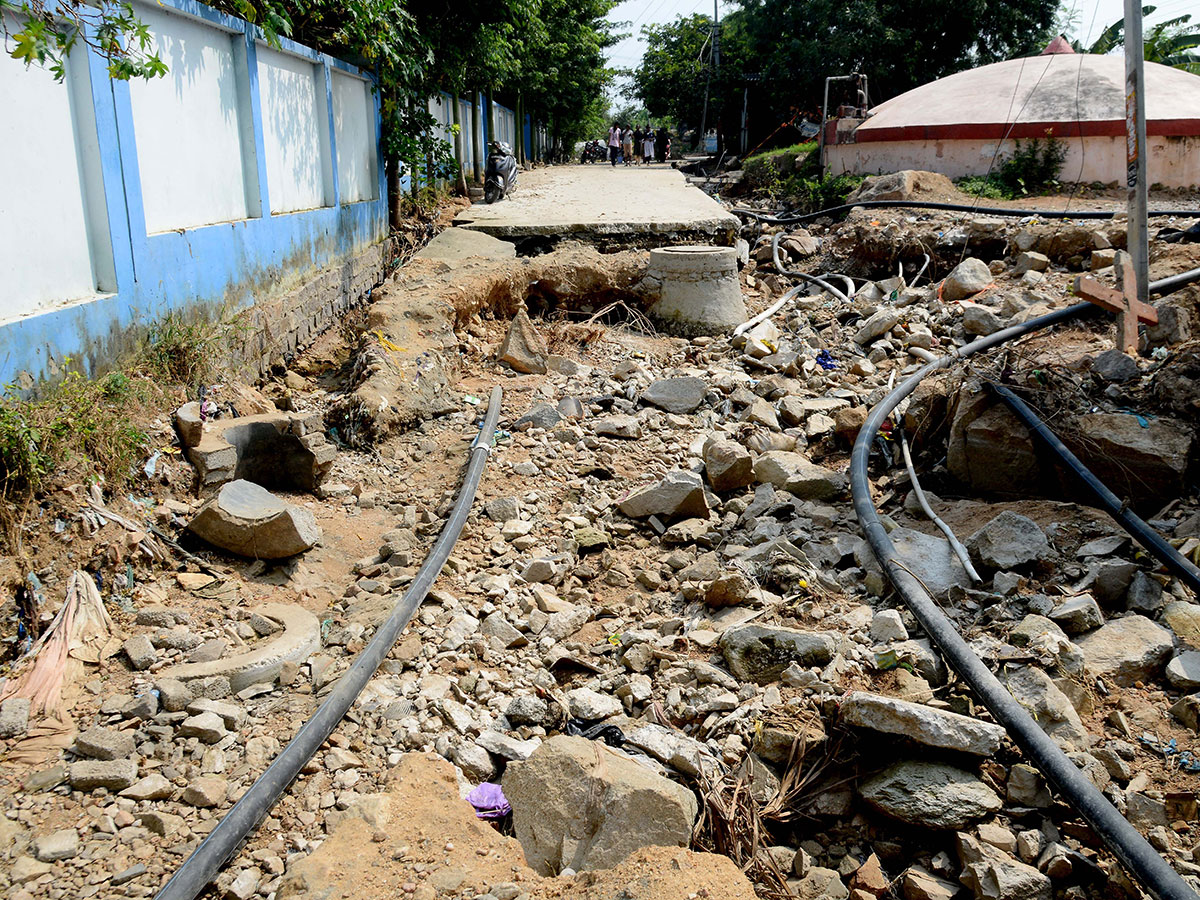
(825, 360)
(610, 734)
(489, 801)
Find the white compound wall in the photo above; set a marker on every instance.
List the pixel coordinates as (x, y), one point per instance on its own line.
(295, 131)
(354, 132)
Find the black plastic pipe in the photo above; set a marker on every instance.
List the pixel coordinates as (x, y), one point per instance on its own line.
(1142, 860)
(1175, 561)
(1175, 282)
(206, 860)
(953, 207)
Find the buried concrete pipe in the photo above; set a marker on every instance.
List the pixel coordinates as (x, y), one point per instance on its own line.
(301, 638)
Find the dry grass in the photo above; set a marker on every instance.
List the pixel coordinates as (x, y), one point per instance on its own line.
(733, 823)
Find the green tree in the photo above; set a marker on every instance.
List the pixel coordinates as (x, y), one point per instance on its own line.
(783, 51)
(1170, 43)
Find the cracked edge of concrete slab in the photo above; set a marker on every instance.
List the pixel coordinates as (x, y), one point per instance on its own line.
(717, 225)
(300, 639)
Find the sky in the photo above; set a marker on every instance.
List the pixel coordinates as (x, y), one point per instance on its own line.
(1092, 18)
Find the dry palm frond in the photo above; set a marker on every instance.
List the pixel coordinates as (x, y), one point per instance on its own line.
(80, 633)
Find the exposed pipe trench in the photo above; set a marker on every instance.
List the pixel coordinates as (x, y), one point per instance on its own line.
(1175, 562)
(952, 207)
(1133, 851)
(206, 860)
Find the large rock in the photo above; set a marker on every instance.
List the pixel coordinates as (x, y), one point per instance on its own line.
(903, 185)
(922, 724)
(760, 653)
(1127, 650)
(989, 448)
(994, 875)
(930, 794)
(523, 349)
(932, 556)
(1049, 706)
(676, 395)
(967, 279)
(1145, 459)
(1008, 541)
(248, 520)
(579, 804)
(794, 472)
(728, 465)
(679, 495)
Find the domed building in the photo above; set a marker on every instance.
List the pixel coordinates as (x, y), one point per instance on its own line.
(953, 125)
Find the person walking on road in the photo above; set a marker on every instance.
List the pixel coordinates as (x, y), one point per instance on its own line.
(614, 143)
(647, 147)
(662, 143)
(637, 145)
(627, 144)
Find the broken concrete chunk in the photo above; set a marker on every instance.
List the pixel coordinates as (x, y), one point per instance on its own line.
(523, 349)
(994, 875)
(922, 724)
(301, 637)
(14, 717)
(248, 520)
(282, 450)
(579, 804)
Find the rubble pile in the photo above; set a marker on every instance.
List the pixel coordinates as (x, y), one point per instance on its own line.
(662, 622)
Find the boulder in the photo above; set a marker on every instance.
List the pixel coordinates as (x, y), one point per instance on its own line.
(728, 465)
(939, 565)
(922, 724)
(981, 320)
(968, 278)
(760, 653)
(679, 495)
(794, 473)
(1145, 459)
(1009, 541)
(930, 794)
(903, 185)
(579, 804)
(994, 875)
(1127, 650)
(626, 427)
(1115, 366)
(249, 520)
(1184, 671)
(1049, 706)
(676, 395)
(523, 349)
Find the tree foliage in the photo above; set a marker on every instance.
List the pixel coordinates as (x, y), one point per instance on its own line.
(1171, 43)
(783, 51)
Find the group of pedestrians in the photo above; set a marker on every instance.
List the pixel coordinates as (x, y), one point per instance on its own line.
(632, 146)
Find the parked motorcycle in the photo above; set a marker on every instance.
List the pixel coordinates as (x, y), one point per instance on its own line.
(593, 151)
(500, 176)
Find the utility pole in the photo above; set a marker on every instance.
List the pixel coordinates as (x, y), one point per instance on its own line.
(715, 58)
(1135, 147)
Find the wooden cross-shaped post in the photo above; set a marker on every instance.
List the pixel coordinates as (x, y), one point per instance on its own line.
(1123, 301)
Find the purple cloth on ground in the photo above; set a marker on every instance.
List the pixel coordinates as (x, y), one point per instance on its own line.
(489, 801)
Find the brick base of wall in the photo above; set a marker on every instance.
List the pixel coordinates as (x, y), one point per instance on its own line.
(275, 328)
